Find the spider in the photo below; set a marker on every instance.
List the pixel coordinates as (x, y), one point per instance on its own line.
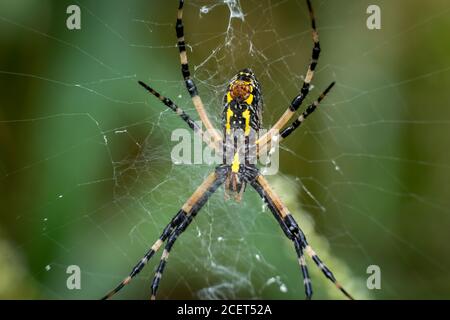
(242, 111)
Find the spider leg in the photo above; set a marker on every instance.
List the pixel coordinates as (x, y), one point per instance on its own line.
(304, 268)
(294, 233)
(310, 109)
(192, 207)
(189, 209)
(190, 84)
(183, 115)
(298, 100)
(164, 258)
(296, 123)
(176, 220)
(262, 187)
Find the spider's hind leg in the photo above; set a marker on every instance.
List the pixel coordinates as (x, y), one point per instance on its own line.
(177, 219)
(192, 206)
(179, 222)
(294, 233)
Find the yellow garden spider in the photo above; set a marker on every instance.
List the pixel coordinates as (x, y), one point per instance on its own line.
(242, 113)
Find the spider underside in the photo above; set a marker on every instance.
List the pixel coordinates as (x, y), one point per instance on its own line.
(241, 118)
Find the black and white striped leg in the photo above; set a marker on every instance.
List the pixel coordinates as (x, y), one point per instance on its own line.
(165, 255)
(199, 203)
(325, 270)
(169, 103)
(295, 124)
(179, 217)
(189, 82)
(310, 109)
(302, 262)
(294, 233)
(298, 100)
(183, 115)
(272, 204)
(301, 238)
(189, 209)
(181, 44)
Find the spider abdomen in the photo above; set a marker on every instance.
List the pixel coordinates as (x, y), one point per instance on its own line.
(242, 103)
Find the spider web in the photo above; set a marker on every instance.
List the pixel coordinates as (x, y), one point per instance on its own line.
(88, 179)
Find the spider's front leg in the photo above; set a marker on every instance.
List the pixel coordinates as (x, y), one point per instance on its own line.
(184, 116)
(298, 100)
(262, 147)
(190, 84)
(294, 233)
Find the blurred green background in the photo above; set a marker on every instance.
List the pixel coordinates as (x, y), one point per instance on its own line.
(86, 176)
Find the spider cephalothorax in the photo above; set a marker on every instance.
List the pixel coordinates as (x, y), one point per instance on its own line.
(241, 117)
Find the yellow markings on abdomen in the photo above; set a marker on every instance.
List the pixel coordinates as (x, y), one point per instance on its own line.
(229, 98)
(236, 163)
(246, 115)
(249, 100)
